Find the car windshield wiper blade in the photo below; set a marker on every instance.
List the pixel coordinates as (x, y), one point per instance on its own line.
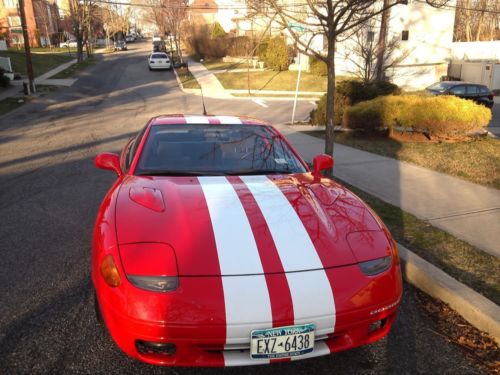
(252, 171)
(180, 173)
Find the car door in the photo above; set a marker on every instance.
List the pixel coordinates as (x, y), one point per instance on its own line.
(459, 91)
(472, 92)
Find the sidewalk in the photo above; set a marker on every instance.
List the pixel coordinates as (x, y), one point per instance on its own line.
(208, 82)
(466, 210)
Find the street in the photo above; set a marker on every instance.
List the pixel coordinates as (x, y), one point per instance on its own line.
(49, 195)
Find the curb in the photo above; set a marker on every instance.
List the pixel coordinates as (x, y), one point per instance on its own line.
(472, 306)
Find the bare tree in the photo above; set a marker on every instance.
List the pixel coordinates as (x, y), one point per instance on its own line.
(333, 19)
(43, 19)
(477, 20)
(80, 14)
(175, 14)
(112, 21)
(364, 54)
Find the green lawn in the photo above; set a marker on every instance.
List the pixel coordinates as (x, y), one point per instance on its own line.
(42, 62)
(457, 258)
(9, 104)
(218, 64)
(75, 68)
(476, 160)
(187, 79)
(271, 80)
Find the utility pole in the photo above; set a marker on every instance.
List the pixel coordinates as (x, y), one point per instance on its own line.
(29, 64)
(381, 41)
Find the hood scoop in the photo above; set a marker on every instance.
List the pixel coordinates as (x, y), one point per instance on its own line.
(147, 197)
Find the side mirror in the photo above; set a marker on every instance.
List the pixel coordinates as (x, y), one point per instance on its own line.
(109, 161)
(321, 162)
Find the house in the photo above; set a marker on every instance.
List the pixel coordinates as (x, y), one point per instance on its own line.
(41, 20)
(10, 22)
(202, 11)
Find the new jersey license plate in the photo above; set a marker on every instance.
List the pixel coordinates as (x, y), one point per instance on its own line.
(282, 342)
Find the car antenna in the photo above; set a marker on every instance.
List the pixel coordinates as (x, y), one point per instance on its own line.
(202, 97)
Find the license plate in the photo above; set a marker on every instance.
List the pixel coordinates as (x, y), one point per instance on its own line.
(282, 342)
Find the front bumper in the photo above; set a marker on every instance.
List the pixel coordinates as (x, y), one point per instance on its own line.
(199, 335)
(211, 352)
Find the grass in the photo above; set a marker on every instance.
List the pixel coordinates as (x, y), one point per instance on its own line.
(187, 79)
(457, 258)
(252, 95)
(271, 80)
(476, 160)
(42, 62)
(9, 104)
(218, 64)
(75, 68)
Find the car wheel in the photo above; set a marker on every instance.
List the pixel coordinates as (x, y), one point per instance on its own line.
(150, 68)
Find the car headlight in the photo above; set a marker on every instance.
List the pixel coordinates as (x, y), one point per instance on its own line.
(376, 266)
(155, 283)
(150, 266)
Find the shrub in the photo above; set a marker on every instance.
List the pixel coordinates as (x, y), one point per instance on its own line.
(262, 48)
(442, 116)
(239, 46)
(318, 67)
(350, 92)
(276, 56)
(217, 31)
(4, 80)
(202, 46)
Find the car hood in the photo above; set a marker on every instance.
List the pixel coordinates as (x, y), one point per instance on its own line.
(248, 225)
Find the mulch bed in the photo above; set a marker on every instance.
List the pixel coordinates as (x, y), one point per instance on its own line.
(477, 346)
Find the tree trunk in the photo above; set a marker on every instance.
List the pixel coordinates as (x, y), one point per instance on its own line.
(330, 98)
(381, 41)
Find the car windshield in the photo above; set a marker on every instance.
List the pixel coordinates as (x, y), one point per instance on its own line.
(440, 86)
(180, 150)
(159, 56)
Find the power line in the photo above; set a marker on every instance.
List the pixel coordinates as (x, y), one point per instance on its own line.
(459, 7)
(188, 7)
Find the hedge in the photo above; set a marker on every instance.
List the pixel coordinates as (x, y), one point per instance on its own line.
(350, 92)
(318, 67)
(442, 116)
(276, 56)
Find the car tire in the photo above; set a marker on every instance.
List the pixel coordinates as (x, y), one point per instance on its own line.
(150, 68)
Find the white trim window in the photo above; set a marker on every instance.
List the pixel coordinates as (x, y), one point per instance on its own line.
(10, 3)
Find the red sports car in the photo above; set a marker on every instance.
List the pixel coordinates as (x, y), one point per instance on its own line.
(217, 246)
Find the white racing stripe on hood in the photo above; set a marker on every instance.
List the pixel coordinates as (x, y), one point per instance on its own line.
(246, 298)
(311, 292)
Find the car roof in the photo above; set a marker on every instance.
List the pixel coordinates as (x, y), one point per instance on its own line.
(456, 83)
(176, 119)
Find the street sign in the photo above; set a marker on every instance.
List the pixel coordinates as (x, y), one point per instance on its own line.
(16, 31)
(296, 26)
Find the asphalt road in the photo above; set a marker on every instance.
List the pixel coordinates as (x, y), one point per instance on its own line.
(49, 196)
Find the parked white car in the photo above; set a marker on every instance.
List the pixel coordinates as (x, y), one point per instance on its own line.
(69, 43)
(159, 60)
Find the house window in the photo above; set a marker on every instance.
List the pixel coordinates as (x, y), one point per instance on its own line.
(370, 36)
(405, 35)
(14, 21)
(10, 3)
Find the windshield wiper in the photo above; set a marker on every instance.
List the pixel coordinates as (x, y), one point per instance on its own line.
(179, 173)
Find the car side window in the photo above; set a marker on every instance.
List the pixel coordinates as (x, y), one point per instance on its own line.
(484, 90)
(131, 149)
(472, 90)
(458, 90)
